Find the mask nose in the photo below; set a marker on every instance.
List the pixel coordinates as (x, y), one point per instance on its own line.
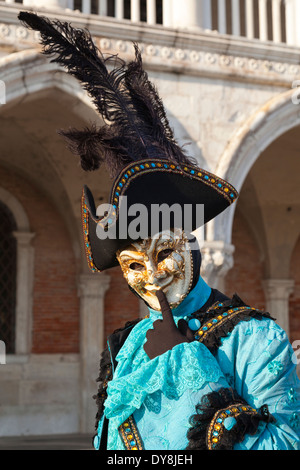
(153, 274)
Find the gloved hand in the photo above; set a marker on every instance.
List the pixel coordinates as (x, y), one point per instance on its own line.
(165, 334)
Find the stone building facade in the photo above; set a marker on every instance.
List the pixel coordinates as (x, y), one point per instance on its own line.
(228, 73)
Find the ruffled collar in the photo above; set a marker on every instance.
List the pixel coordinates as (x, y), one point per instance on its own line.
(136, 375)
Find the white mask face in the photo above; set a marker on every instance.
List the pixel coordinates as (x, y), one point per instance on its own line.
(162, 262)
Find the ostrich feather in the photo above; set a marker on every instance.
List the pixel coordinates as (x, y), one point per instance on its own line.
(135, 121)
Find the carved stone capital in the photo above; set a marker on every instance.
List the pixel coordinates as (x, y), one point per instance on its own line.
(277, 293)
(217, 259)
(93, 285)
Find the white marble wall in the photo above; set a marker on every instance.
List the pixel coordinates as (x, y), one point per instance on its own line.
(40, 394)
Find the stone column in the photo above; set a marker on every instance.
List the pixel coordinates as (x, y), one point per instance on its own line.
(263, 20)
(235, 17)
(24, 291)
(276, 20)
(151, 11)
(292, 8)
(119, 9)
(191, 14)
(249, 19)
(277, 293)
(92, 288)
(57, 4)
(217, 260)
(222, 24)
(135, 12)
(86, 7)
(168, 13)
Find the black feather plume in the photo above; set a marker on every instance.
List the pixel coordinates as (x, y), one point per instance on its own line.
(136, 125)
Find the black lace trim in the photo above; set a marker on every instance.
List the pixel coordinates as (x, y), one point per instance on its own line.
(105, 375)
(246, 423)
(213, 340)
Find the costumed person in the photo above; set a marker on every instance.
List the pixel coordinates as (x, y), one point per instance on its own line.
(201, 370)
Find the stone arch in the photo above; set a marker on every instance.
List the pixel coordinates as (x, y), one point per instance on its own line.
(27, 72)
(258, 136)
(29, 76)
(16, 209)
(24, 274)
(271, 121)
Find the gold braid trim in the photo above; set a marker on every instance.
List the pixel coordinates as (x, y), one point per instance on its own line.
(130, 435)
(216, 427)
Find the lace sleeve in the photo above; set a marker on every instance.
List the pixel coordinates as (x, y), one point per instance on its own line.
(222, 419)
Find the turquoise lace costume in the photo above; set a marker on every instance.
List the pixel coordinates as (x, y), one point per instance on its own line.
(255, 359)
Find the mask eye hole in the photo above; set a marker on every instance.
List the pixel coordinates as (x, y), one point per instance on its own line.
(137, 266)
(163, 254)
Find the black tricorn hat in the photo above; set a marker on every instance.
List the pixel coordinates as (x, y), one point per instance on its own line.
(187, 194)
(148, 167)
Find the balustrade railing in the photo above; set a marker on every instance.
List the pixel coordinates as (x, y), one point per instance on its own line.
(265, 20)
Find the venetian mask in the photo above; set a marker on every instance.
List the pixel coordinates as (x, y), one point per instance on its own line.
(161, 262)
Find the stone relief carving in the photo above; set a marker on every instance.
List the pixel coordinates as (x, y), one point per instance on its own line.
(196, 59)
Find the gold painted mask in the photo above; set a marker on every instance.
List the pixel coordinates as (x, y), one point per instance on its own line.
(161, 262)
